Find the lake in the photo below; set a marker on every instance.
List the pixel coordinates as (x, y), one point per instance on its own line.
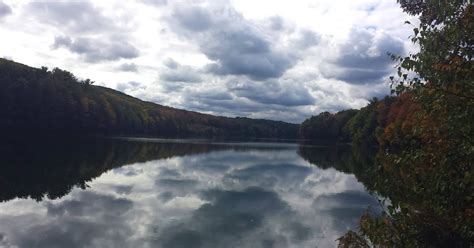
(176, 193)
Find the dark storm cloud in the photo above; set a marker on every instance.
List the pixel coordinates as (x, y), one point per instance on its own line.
(95, 50)
(131, 67)
(236, 45)
(273, 92)
(175, 72)
(234, 218)
(72, 16)
(4, 9)
(363, 58)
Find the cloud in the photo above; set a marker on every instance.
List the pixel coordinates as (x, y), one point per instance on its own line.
(123, 189)
(193, 18)
(278, 23)
(129, 85)
(130, 67)
(307, 39)
(175, 72)
(238, 96)
(285, 93)
(363, 57)
(4, 9)
(156, 2)
(235, 45)
(230, 105)
(95, 50)
(368, 91)
(72, 16)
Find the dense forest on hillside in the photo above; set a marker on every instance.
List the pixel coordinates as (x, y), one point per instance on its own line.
(42, 101)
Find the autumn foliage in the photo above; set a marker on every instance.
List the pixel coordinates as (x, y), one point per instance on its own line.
(424, 164)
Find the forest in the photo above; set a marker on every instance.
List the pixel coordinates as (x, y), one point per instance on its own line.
(54, 102)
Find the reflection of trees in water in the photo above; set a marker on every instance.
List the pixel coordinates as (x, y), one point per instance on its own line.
(348, 159)
(53, 168)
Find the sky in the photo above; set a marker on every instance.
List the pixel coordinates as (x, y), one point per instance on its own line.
(279, 60)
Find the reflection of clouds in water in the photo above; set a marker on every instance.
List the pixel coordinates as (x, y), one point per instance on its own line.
(266, 175)
(165, 172)
(172, 188)
(123, 189)
(236, 219)
(344, 208)
(86, 219)
(255, 198)
(87, 203)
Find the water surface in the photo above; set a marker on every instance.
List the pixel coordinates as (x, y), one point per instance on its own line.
(175, 193)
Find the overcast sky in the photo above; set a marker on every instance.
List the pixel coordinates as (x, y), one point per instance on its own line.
(281, 60)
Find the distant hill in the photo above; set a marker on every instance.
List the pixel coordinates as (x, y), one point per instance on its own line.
(42, 101)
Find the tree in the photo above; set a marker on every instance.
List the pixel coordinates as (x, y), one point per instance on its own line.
(424, 164)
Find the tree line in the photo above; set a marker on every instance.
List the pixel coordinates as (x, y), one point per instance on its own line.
(42, 101)
(361, 127)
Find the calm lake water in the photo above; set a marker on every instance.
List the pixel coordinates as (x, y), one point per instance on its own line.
(176, 193)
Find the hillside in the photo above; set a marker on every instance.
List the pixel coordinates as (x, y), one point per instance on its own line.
(42, 101)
